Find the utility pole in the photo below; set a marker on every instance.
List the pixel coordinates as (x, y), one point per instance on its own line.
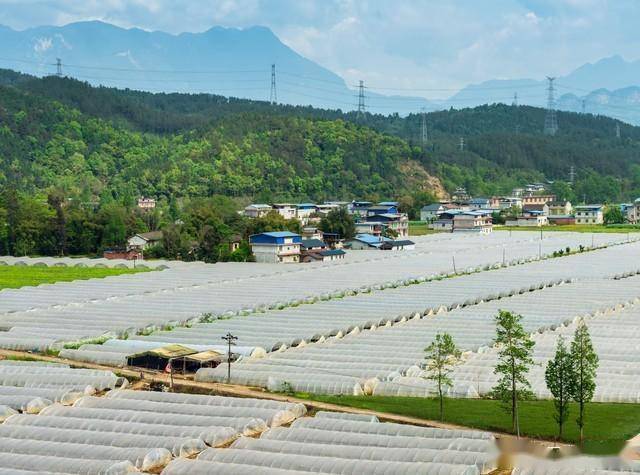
(618, 131)
(273, 96)
(551, 120)
(461, 144)
(58, 67)
(425, 133)
(361, 103)
(230, 339)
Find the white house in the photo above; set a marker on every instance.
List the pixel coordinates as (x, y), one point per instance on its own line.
(142, 241)
(146, 203)
(589, 214)
(257, 210)
(286, 210)
(276, 247)
(431, 212)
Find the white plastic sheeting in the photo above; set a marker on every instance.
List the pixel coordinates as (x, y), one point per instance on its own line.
(613, 332)
(387, 360)
(30, 386)
(37, 318)
(346, 416)
(580, 465)
(205, 467)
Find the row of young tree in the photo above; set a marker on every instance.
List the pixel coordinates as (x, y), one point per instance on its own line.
(570, 375)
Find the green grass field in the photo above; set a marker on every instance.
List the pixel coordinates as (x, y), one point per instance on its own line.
(419, 228)
(576, 228)
(607, 428)
(20, 276)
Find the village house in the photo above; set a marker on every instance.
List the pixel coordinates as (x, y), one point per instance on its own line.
(431, 212)
(537, 209)
(589, 214)
(366, 242)
(305, 211)
(398, 245)
(146, 203)
(632, 212)
(561, 219)
(505, 202)
(560, 208)
(480, 203)
(142, 241)
(312, 232)
(257, 210)
(537, 199)
(276, 247)
(528, 220)
(464, 221)
(286, 210)
(324, 255)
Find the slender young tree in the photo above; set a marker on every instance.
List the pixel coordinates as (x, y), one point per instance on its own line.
(559, 379)
(515, 348)
(585, 364)
(442, 355)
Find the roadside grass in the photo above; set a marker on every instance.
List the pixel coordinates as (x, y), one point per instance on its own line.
(14, 277)
(608, 425)
(576, 228)
(419, 228)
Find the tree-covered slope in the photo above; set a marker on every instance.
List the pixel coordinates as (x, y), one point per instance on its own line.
(198, 144)
(45, 144)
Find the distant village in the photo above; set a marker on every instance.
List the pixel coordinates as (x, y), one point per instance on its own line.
(383, 227)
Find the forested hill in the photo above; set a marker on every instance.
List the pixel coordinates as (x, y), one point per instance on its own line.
(45, 144)
(131, 142)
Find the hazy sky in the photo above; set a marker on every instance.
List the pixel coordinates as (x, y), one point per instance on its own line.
(398, 43)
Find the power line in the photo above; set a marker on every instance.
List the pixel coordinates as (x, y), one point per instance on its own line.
(551, 120)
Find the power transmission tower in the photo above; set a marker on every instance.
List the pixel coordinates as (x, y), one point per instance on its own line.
(361, 104)
(572, 174)
(273, 96)
(551, 120)
(584, 106)
(461, 144)
(515, 100)
(231, 340)
(617, 131)
(58, 67)
(425, 133)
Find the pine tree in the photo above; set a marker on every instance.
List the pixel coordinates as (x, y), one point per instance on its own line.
(442, 354)
(585, 364)
(559, 379)
(515, 348)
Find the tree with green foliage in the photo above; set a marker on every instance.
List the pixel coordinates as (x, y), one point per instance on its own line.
(442, 354)
(515, 349)
(559, 379)
(585, 365)
(339, 221)
(273, 221)
(613, 215)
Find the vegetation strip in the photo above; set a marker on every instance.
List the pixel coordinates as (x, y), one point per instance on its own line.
(13, 277)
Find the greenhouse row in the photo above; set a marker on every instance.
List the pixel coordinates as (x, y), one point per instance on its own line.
(613, 333)
(370, 308)
(369, 362)
(328, 445)
(125, 312)
(129, 431)
(30, 387)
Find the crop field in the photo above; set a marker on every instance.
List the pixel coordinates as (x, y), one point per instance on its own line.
(13, 277)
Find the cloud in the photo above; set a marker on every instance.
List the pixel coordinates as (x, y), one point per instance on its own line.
(42, 45)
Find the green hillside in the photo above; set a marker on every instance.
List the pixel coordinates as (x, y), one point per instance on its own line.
(504, 145)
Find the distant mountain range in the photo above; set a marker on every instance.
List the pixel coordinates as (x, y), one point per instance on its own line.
(237, 62)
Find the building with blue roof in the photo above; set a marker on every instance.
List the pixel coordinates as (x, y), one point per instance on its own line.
(276, 247)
